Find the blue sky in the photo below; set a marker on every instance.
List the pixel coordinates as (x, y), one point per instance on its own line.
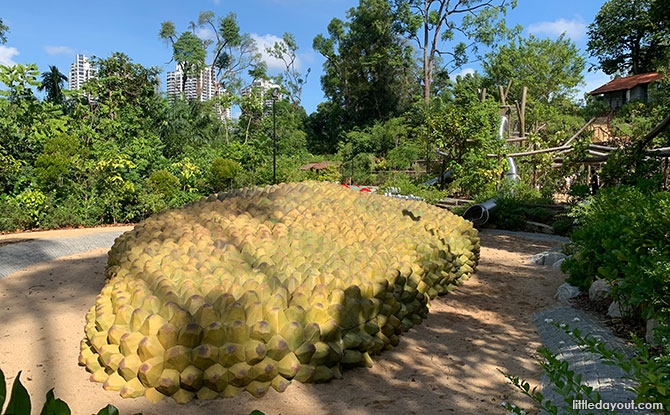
(50, 33)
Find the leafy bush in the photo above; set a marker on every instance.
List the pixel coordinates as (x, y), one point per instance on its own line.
(622, 236)
(222, 172)
(514, 206)
(468, 133)
(164, 182)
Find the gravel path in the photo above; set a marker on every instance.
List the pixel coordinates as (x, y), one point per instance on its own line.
(607, 379)
(17, 256)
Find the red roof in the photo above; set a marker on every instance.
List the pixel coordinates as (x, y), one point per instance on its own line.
(622, 84)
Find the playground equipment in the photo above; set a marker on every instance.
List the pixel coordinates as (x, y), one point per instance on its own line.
(479, 213)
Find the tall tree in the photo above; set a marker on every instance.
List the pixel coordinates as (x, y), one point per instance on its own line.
(631, 36)
(232, 53)
(52, 83)
(285, 50)
(368, 68)
(188, 50)
(3, 32)
(434, 23)
(550, 69)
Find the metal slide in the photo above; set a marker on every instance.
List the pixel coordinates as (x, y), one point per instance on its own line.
(436, 179)
(479, 213)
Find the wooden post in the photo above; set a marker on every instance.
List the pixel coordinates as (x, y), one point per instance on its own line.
(523, 111)
(665, 181)
(502, 94)
(482, 94)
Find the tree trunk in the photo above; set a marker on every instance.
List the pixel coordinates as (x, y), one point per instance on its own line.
(427, 75)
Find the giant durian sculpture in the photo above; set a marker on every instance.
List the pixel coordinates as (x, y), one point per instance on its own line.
(252, 289)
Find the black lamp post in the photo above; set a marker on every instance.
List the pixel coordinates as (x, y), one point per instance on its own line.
(275, 95)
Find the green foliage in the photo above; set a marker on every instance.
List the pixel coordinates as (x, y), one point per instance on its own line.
(3, 34)
(222, 172)
(564, 381)
(630, 37)
(432, 24)
(649, 371)
(285, 50)
(405, 155)
(622, 237)
(403, 185)
(189, 53)
(52, 83)
(550, 69)
(164, 182)
(329, 174)
(515, 205)
(468, 133)
(367, 69)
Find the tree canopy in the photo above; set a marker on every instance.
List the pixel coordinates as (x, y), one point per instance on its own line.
(447, 32)
(52, 83)
(368, 68)
(3, 32)
(550, 69)
(631, 36)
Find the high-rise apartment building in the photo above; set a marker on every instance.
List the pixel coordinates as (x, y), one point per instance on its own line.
(204, 82)
(80, 71)
(262, 87)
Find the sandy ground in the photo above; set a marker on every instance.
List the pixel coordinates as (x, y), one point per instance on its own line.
(447, 365)
(12, 238)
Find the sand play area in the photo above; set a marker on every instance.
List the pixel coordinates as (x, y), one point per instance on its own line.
(449, 364)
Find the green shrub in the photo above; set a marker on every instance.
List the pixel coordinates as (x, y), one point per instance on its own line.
(222, 172)
(67, 212)
(329, 174)
(164, 182)
(622, 236)
(404, 156)
(509, 214)
(23, 211)
(562, 226)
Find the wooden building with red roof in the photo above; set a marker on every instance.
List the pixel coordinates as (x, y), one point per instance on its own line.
(620, 91)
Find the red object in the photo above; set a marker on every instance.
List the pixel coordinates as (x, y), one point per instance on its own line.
(627, 82)
(365, 189)
(346, 186)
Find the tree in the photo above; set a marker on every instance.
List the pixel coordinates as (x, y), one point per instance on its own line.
(550, 69)
(630, 36)
(188, 50)
(285, 50)
(467, 132)
(233, 51)
(368, 68)
(52, 83)
(431, 23)
(3, 32)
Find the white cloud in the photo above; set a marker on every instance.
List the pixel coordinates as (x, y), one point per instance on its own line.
(6, 55)
(59, 50)
(462, 72)
(575, 29)
(592, 81)
(205, 33)
(268, 41)
(217, 2)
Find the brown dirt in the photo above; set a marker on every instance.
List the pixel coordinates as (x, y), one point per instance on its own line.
(449, 364)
